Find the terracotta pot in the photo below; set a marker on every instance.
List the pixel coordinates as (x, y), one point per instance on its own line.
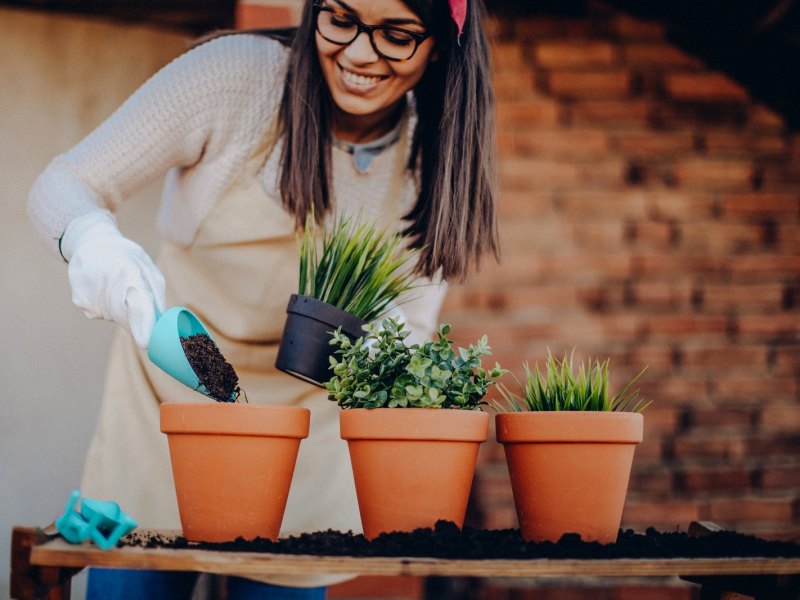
(232, 465)
(569, 470)
(305, 344)
(412, 466)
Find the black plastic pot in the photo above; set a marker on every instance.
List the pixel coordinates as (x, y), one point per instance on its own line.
(305, 347)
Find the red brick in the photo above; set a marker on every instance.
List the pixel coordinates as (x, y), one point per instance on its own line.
(783, 326)
(686, 325)
(628, 27)
(397, 587)
(650, 453)
(654, 480)
(761, 266)
(735, 387)
(727, 418)
(781, 477)
(666, 514)
(513, 114)
(715, 238)
(704, 87)
(557, 143)
(521, 174)
(786, 360)
(657, 265)
(657, 53)
(735, 143)
(568, 54)
(714, 174)
(513, 86)
(705, 356)
(654, 144)
(657, 235)
(507, 57)
(742, 297)
(603, 235)
(534, 205)
(620, 113)
(736, 510)
(254, 16)
(657, 294)
(658, 358)
(680, 206)
(589, 84)
(775, 444)
(715, 479)
(760, 205)
(781, 417)
(676, 391)
(705, 444)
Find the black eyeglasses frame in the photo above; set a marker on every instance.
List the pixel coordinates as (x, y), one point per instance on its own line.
(362, 27)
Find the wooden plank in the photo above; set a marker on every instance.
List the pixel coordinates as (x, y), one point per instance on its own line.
(57, 552)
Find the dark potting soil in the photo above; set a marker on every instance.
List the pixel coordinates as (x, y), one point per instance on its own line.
(211, 368)
(446, 541)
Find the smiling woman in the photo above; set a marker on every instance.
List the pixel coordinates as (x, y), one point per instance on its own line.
(369, 68)
(378, 111)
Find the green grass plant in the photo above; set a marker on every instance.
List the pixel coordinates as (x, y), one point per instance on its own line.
(560, 387)
(357, 267)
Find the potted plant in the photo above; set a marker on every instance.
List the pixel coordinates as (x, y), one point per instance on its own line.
(232, 462)
(353, 278)
(569, 448)
(412, 467)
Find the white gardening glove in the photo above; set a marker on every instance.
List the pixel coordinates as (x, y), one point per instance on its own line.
(112, 277)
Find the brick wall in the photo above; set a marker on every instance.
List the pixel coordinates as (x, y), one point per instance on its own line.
(650, 214)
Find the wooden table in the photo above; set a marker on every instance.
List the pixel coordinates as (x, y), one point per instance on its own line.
(42, 567)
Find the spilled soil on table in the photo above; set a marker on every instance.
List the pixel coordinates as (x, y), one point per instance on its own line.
(446, 541)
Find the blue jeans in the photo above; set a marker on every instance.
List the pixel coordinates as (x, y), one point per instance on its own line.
(130, 584)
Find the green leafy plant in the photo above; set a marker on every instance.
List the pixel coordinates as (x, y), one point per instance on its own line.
(358, 268)
(381, 370)
(561, 388)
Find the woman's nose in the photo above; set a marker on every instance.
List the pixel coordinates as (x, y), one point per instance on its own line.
(360, 50)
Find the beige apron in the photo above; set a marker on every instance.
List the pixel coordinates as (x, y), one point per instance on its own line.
(237, 276)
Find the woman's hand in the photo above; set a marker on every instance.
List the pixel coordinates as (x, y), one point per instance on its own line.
(112, 277)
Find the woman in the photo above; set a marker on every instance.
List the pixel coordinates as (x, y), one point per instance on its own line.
(377, 109)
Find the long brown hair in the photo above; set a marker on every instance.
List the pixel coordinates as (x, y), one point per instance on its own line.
(453, 220)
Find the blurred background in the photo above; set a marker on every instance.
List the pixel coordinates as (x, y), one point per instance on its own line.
(649, 214)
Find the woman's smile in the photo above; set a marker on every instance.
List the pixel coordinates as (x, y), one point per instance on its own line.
(359, 83)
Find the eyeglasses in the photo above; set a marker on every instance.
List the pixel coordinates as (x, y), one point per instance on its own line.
(389, 42)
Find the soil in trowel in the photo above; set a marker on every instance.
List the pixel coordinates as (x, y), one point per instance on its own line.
(211, 368)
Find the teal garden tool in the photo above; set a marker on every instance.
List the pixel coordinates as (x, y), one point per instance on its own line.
(101, 521)
(166, 351)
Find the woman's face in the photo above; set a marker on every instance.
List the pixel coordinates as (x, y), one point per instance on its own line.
(362, 83)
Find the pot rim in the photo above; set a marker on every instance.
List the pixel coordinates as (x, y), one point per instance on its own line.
(431, 424)
(328, 314)
(570, 426)
(231, 418)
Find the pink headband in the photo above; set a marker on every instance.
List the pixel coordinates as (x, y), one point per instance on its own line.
(458, 10)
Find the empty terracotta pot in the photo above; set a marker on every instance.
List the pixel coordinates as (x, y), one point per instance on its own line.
(412, 466)
(232, 465)
(569, 470)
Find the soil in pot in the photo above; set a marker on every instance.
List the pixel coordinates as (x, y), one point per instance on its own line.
(215, 373)
(447, 541)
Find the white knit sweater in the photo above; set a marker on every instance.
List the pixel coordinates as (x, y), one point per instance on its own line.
(197, 121)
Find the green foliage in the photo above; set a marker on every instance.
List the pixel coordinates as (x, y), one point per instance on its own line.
(358, 268)
(560, 388)
(381, 370)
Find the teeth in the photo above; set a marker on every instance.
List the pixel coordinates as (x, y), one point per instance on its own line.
(362, 80)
